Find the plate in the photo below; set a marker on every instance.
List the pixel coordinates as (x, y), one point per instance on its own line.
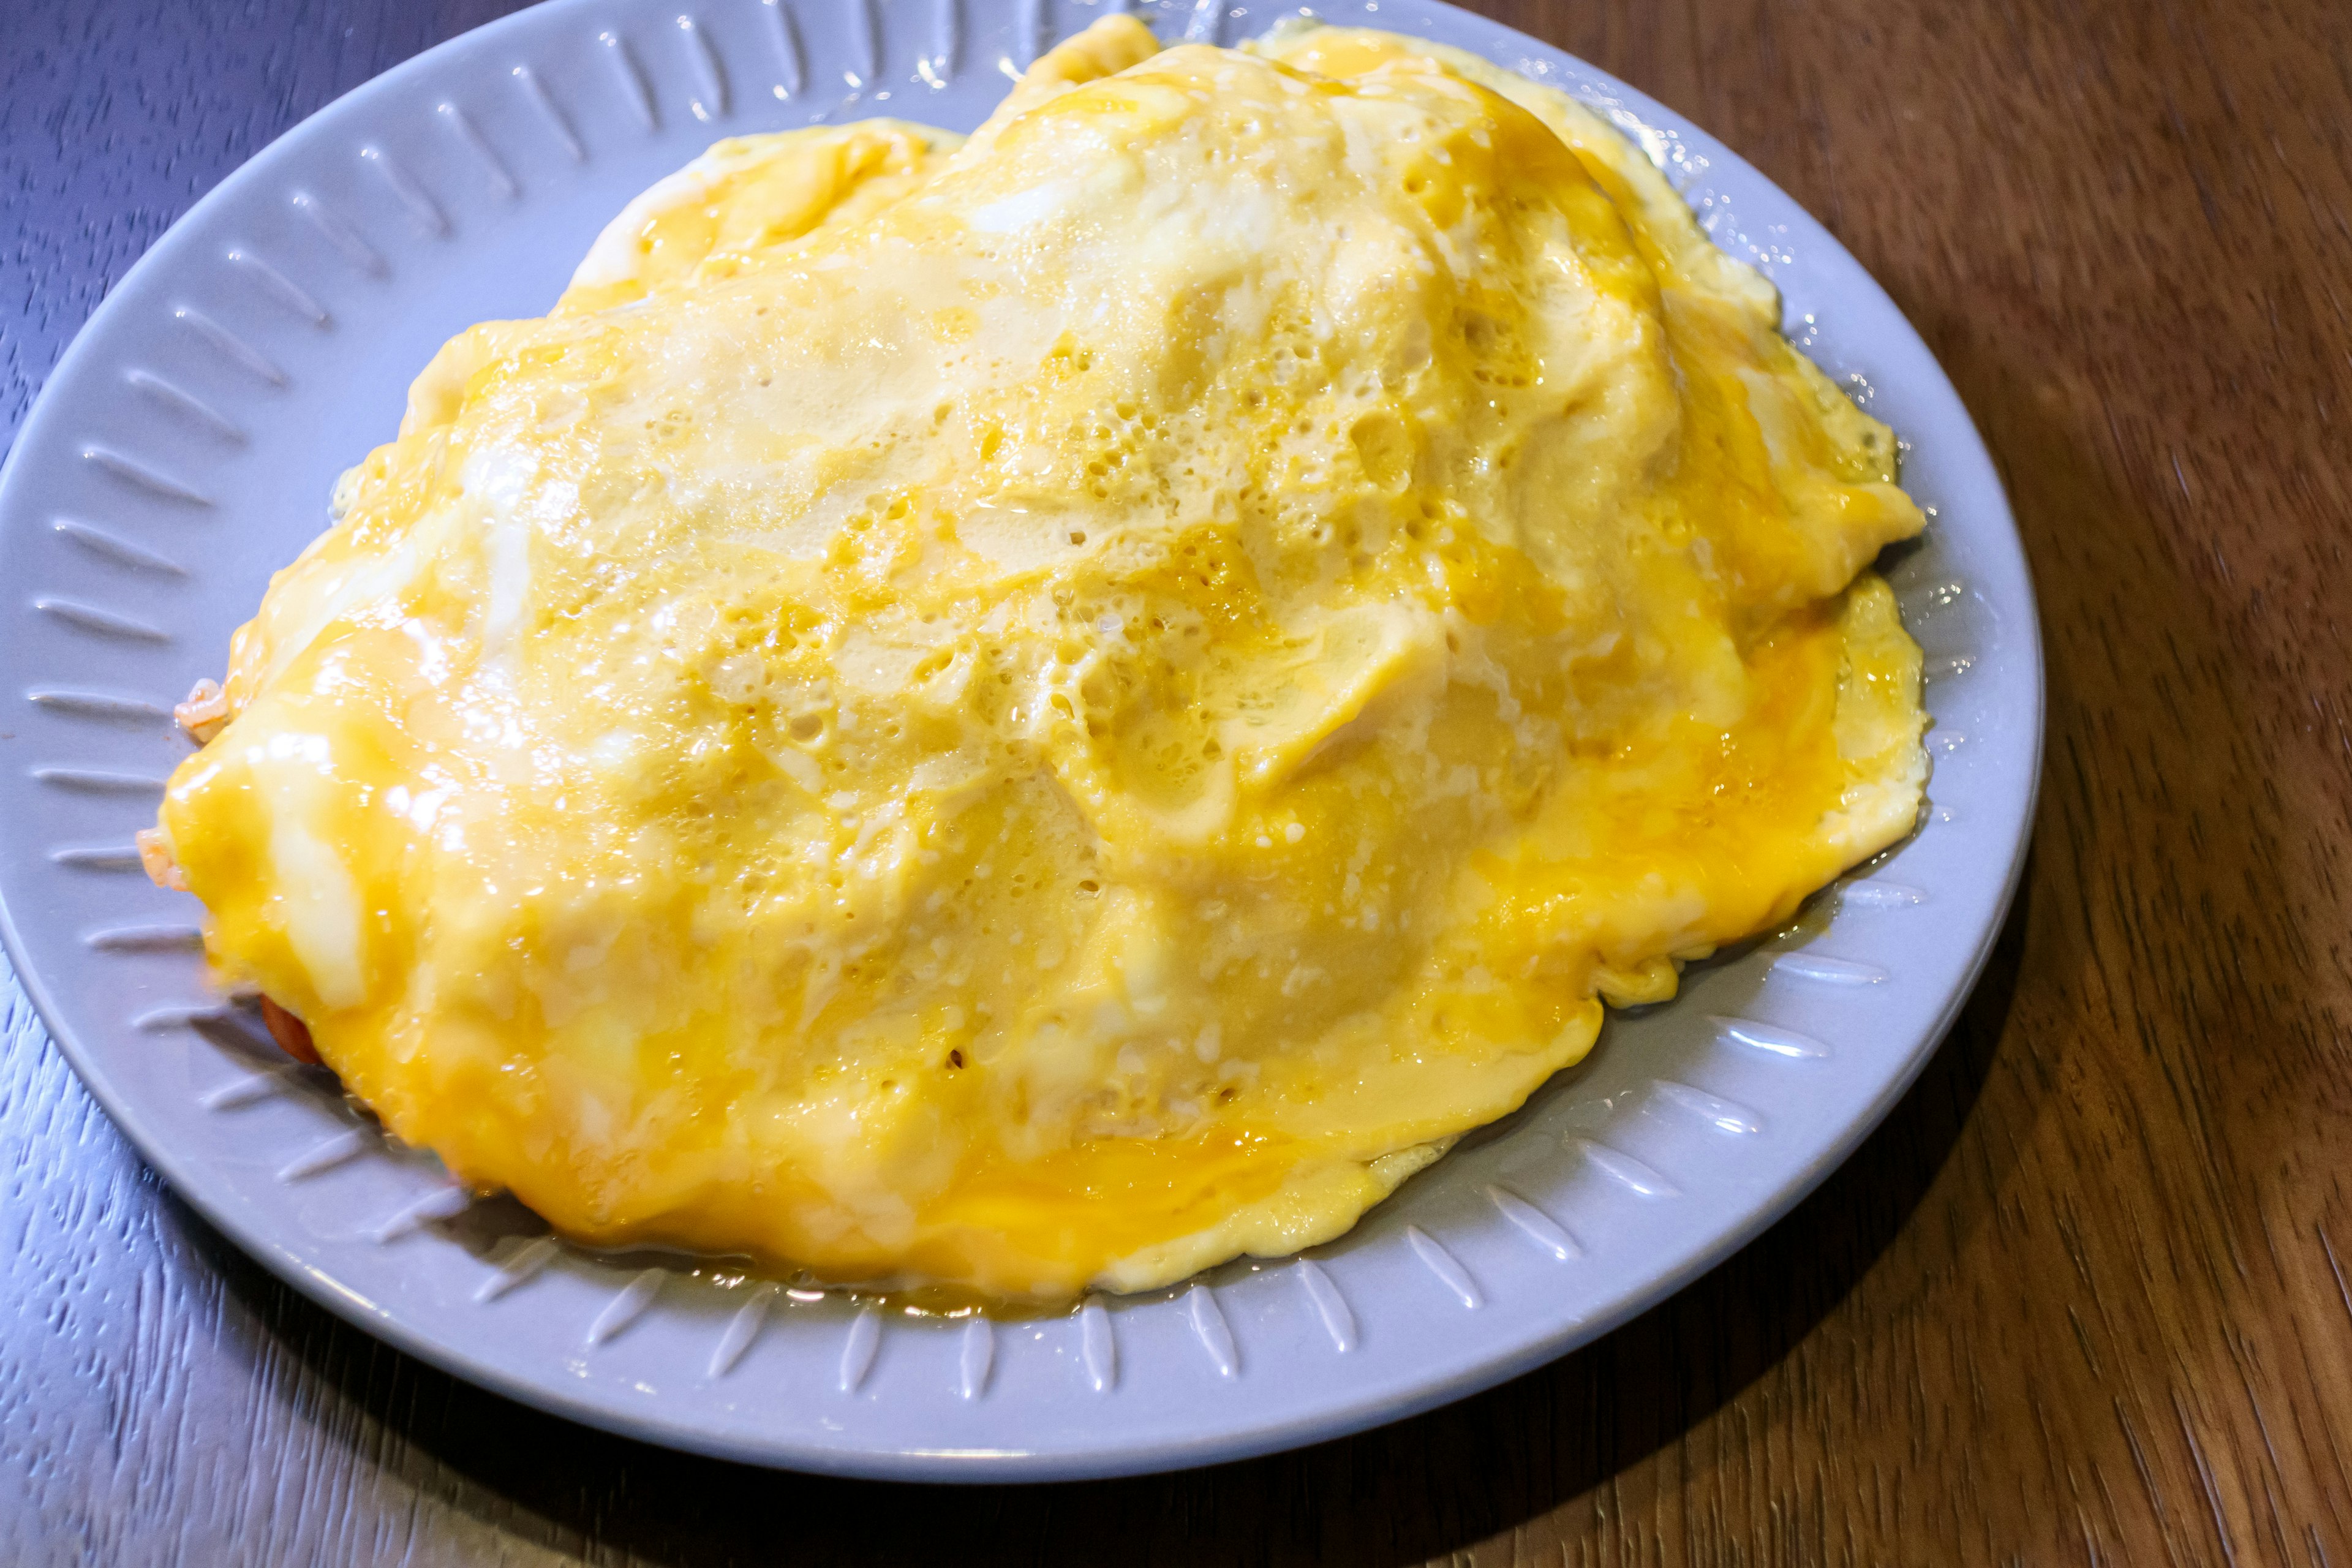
(186, 448)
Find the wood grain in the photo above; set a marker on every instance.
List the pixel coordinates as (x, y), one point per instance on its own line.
(2087, 1296)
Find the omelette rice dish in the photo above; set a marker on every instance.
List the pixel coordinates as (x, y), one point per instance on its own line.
(1032, 713)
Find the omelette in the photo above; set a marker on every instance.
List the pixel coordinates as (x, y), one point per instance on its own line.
(1031, 713)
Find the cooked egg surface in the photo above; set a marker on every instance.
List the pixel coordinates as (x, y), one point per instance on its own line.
(1035, 714)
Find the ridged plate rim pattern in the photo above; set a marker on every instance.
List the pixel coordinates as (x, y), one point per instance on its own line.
(171, 462)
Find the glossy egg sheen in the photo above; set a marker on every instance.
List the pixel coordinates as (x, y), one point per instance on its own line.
(1034, 713)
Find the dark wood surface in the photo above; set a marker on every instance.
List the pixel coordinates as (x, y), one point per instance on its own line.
(2084, 1298)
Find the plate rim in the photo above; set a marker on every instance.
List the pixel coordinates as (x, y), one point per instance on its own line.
(223, 1209)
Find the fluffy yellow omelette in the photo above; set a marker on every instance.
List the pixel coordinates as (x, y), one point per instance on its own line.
(1033, 713)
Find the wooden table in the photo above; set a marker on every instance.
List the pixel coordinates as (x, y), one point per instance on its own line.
(2083, 1297)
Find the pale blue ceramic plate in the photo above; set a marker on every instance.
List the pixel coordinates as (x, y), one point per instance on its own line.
(184, 449)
